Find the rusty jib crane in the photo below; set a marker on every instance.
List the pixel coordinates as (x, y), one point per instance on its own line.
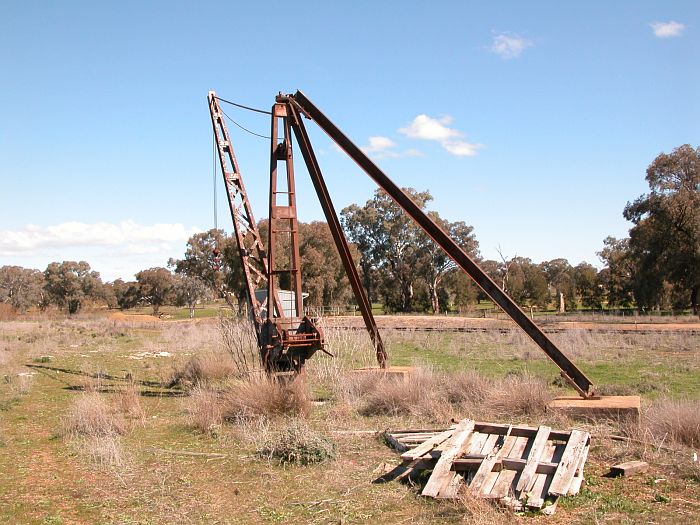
(286, 338)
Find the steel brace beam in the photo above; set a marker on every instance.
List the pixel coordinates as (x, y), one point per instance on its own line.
(570, 372)
(341, 242)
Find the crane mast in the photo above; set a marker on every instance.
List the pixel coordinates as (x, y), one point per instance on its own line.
(286, 337)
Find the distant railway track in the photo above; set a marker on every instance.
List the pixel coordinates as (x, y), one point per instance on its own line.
(550, 330)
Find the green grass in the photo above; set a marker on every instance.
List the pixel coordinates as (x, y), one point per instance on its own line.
(46, 480)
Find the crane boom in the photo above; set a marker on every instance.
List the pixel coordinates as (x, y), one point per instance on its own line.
(250, 244)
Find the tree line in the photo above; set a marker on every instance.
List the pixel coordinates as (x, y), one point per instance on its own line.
(656, 267)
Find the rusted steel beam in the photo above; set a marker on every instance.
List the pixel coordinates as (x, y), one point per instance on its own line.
(337, 233)
(570, 372)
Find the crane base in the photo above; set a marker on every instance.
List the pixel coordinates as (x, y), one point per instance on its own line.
(597, 408)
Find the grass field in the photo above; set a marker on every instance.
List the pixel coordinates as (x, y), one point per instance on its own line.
(154, 464)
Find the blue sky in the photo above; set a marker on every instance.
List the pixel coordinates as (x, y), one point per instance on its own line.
(534, 122)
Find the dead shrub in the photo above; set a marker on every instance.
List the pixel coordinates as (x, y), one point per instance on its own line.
(89, 415)
(208, 367)
(240, 342)
(204, 410)
(674, 420)
(266, 397)
(520, 395)
(296, 443)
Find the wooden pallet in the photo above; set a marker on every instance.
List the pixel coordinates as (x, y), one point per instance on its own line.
(519, 466)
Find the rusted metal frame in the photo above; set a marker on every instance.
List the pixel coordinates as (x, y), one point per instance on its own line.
(570, 372)
(337, 233)
(253, 257)
(294, 254)
(276, 213)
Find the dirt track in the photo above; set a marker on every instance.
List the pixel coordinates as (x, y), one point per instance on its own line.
(467, 324)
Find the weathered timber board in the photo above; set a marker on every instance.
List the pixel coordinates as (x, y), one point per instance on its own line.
(519, 466)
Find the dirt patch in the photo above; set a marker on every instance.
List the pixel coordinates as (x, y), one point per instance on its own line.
(121, 317)
(443, 322)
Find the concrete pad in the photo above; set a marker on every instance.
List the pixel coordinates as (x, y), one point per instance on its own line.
(401, 372)
(603, 407)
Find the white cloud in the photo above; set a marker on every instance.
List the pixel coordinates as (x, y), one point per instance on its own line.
(508, 45)
(667, 29)
(428, 128)
(462, 148)
(383, 147)
(378, 144)
(424, 127)
(115, 250)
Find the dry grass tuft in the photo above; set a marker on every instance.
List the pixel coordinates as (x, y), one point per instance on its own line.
(296, 443)
(438, 396)
(204, 410)
(479, 511)
(520, 395)
(102, 450)
(94, 429)
(91, 416)
(355, 386)
(467, 388)
(208, 367)
(674, 420)
(419, 394)
(266, 397)
(129, 403)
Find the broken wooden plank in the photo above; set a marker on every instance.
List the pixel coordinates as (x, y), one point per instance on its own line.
(453, 487)
(475, 487)
(578, 480)
(394, 443)
(535, 498)
(504, 483)
(520, 431)
(491, 478)
(442, 473)
(427, 446)
(629, 468)
(561, 481)
(527, 476)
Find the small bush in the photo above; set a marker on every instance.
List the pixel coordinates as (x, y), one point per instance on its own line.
(263, 396)
(91, 416)
(295, 443)
(675, 420)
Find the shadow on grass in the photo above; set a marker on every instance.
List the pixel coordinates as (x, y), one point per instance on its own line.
(167, 389)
